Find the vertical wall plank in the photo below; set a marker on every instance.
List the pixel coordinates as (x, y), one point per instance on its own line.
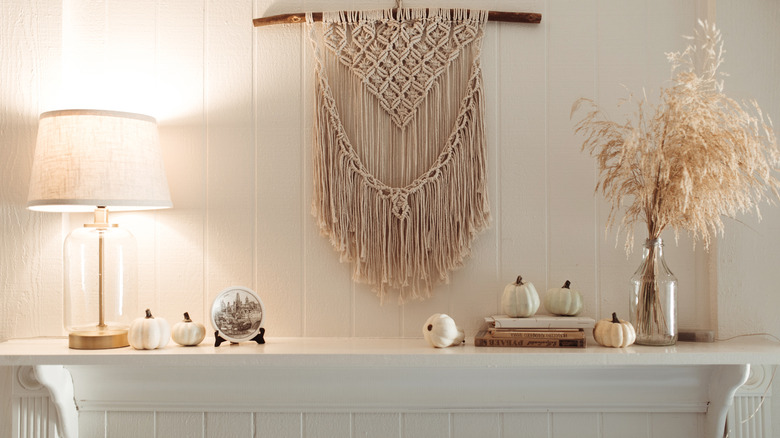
(278, 425)
(228, 424)
(747, 254)
(280, 209)
(520, 107)
(92, 424)
(128, 59)
(486, 425)
(429, 425)
(6, 400)
(676, 425)
(30, 243)
(230, 152)
(376, 425)
(617, 425)
(326, 425)
(524, 424)
(570, 176)
(179, 424)
(179, 232)
(575, 425)
(129, 424)
(374, 318)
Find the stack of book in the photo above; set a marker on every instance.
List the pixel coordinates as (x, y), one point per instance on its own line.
(542, 331)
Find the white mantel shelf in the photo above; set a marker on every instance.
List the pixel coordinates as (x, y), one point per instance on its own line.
(340, 352)
(375, 375)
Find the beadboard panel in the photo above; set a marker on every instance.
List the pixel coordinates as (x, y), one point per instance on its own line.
(386, 425)
(129, 424)
(184, 424)
(276, 424)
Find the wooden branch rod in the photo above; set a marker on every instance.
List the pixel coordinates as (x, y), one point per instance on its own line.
(507, 17)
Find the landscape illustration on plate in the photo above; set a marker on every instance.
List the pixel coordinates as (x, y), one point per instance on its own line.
(239, 315)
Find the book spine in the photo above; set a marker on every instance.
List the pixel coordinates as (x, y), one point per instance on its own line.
(529, 343)
(537, 334)
(547, 325)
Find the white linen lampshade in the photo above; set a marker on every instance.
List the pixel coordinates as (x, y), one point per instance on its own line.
(89, 158)
(94, 160)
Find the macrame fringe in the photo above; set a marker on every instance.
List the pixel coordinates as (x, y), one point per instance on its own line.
(399, 234)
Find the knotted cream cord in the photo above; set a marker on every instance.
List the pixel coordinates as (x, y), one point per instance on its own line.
(399, 150)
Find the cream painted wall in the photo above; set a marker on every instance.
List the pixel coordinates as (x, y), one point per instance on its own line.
(748, 278)
(234, 107)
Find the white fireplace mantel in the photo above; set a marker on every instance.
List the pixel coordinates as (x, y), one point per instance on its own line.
(375, 375)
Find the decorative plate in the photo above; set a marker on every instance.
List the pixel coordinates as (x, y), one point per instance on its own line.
(237, 314)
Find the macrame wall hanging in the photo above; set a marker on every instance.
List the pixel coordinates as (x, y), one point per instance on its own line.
(399, 146)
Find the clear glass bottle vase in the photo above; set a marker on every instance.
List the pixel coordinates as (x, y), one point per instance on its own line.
(653, 300)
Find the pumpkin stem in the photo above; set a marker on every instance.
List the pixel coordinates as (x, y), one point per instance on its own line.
(567, 284)
(519, 279)
(149, 313)
(187, 317)
(615, 318)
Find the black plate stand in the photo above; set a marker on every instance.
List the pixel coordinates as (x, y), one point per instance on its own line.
(219, 339)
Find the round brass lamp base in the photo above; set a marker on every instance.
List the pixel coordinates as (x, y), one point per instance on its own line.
(97, 339)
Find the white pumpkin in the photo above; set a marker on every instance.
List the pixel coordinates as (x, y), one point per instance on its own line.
(614, 332)
(520, 299)
(149, 332)
(563, 301)
(187, 332)
(440, 331)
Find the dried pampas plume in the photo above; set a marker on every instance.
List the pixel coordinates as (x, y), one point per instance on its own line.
(688, 161)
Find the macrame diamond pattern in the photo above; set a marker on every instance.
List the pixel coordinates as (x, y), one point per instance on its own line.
(399, 61)
(403, 238)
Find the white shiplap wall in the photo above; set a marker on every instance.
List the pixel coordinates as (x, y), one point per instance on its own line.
(747, 272)
(234, 106)
(547, 223)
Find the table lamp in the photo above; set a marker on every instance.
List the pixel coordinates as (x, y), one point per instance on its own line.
(94, 160)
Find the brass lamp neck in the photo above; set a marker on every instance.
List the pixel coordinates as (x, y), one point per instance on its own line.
(101, 219)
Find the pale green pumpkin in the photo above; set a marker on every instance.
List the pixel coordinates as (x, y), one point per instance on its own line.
(187, 332)
(563, 300)
(520, 299)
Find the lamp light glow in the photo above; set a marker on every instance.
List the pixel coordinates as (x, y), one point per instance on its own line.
(95, 160)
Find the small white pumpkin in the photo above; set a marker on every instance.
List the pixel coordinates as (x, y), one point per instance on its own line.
(440, 331)
(520, 299)
(563, 301)
(188, 333)
(614, 332)
(149, 332)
